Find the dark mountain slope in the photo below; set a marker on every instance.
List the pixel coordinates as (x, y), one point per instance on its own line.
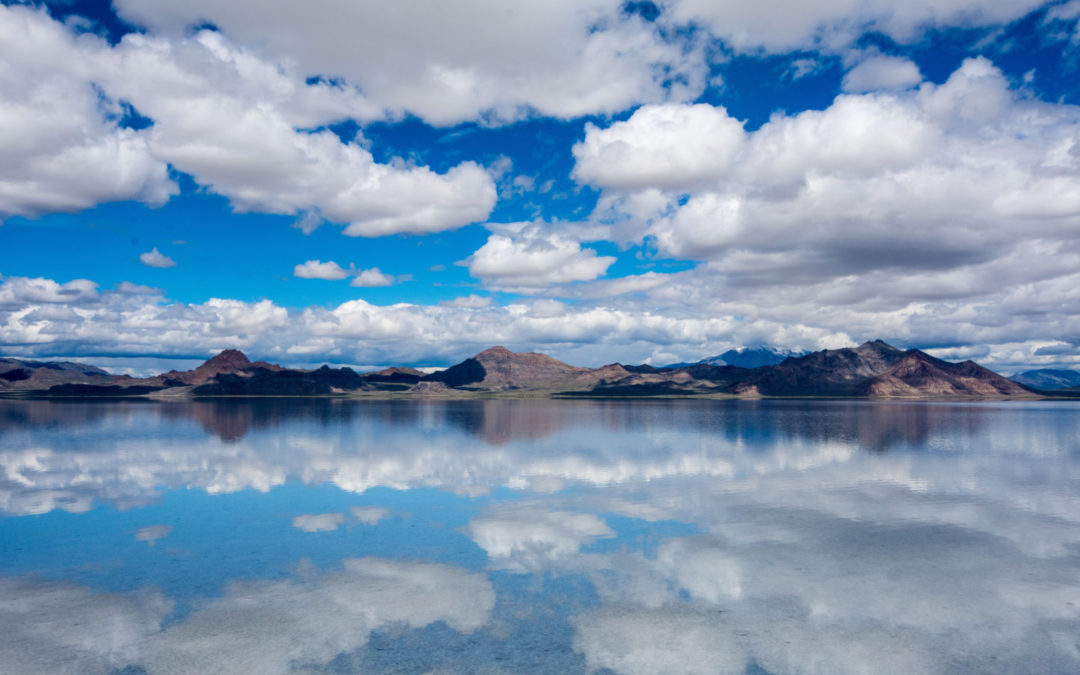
(263, 382)
(499, 369)
(830, 372)
(745, 357)
(17, 374)
(918, 374)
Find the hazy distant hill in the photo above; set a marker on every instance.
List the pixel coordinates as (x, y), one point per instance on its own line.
(1048, 379)
(873, 369)
(744, 357)
(17, 374)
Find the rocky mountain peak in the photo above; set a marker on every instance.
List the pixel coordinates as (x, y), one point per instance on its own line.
(227, 360)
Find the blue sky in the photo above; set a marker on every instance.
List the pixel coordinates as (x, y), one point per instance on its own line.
(601, 181)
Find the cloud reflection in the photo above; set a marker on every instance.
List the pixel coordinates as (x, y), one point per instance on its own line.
(524, 537)
(322, 522)
(829, 538)
(256, 627)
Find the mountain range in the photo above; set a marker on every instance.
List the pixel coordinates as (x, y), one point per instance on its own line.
(871, 370)
(1049, 379)
(744, 357)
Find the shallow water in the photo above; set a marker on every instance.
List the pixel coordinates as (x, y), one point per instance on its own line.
(539, 536)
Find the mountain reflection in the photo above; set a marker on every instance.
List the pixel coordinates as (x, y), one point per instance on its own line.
(552, 536)
(874, 426)
(67, 455)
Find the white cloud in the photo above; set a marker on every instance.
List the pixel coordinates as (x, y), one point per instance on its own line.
(308, 222)
(471, 301)
(905, 206)
(136, 289)
(243, 127)
(233, 122)
(155, 258)
(19, 292)
(662, 146)
(371, 278)
(882, 73)
(316, 269)
(1009, 307)
(62, 146)
(800, 68)
(784, 25)
(563, 58)
(532, 256)
(236, 110)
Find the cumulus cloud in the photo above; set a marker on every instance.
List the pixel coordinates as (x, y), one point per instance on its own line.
(666, 146)
(249, 129)
(136, 289)
(316, 269)
(62, 144)
(905, 206)
(471, 301)
(563, 59)
(1018, 308)
(532, 256)
(155, 258)
(882, 73)
(784, 25)
(371, 278)
(16, 292)
(120, 318)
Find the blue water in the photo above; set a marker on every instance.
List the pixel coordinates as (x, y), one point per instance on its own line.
(539, 536)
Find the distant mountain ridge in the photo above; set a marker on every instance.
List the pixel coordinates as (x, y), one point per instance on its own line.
(26, 375)
(1048, 379)
(871, 370)
(744, 357)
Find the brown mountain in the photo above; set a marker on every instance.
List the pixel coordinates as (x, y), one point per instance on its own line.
(619, 380)
(877, 370)
(830, 372)
(396, 374)
(873, 369)
(499, 369)
(918, 374)
(229, 361)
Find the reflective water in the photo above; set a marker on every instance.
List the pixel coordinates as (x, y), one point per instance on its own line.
(539, 536)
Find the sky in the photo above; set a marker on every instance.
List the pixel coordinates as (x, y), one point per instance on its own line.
(409, 183)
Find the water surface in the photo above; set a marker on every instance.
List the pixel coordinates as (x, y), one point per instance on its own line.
(539, 536)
